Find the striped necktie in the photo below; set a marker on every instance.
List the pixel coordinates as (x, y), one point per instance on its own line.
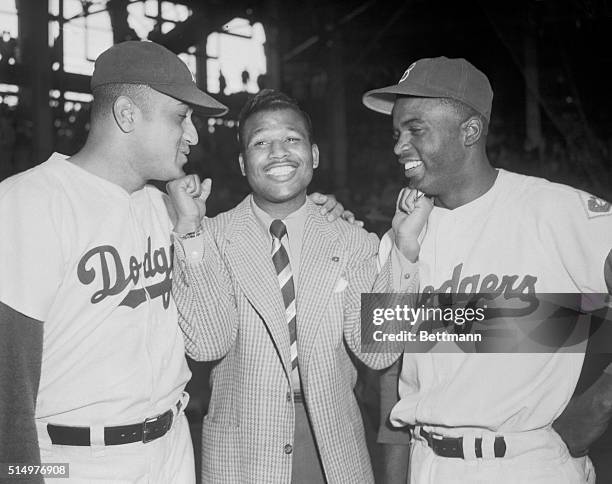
(285, 280)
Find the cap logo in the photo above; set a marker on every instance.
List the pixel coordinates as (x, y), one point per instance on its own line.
(407, 73)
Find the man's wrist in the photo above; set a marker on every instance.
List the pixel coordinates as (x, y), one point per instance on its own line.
(409, 247)
(185, 227)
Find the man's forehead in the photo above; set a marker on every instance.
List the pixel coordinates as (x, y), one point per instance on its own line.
(275, 119)
(417, 107)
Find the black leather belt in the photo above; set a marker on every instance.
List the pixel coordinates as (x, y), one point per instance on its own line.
(453, 446)
(151, 429)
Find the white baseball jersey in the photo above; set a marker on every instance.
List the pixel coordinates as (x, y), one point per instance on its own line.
(93, 263)
(525, 233)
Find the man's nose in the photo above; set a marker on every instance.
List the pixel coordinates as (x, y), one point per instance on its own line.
(278, 149)
(402, 144)
(190, 133)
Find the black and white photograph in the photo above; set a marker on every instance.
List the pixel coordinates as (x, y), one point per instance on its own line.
(305, 242)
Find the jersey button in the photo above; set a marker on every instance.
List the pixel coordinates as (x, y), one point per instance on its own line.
(288, 449)
(406, 276)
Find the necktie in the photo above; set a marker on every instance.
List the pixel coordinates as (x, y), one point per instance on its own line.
(285, 280)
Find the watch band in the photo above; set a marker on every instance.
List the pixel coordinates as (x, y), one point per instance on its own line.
(191, 235)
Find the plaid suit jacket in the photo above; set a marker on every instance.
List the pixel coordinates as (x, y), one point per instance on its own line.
(231, 309)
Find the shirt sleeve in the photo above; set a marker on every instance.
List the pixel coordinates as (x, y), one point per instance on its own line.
(402, 270)
(31, 248)
(191, 250)
(577, 226)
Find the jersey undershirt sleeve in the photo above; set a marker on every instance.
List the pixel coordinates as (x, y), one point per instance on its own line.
(21, 349)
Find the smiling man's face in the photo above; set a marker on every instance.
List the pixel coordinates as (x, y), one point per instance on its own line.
(278, 159)
(429, 144)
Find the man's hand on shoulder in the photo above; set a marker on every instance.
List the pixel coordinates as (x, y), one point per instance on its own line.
(411, 213)
(333, 208)
(188, 197)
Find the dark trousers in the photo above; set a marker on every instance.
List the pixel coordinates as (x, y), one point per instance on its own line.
(307, 468)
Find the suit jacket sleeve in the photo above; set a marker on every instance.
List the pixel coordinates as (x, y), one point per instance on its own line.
(205, 300)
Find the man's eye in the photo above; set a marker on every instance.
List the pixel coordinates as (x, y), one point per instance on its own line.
(259, 143)
(416, 130)
(293, 139)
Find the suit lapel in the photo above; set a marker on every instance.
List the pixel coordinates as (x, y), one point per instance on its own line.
(322, 262)
(248, 254)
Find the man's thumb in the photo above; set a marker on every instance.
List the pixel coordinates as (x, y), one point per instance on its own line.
(206, 189)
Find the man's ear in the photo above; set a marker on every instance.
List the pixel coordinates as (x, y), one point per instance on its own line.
(124, 112)
(315, 156)
(473, 130)
(241, 163)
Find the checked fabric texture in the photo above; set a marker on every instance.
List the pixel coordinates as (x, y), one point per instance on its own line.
(231, 310)
(280, 258)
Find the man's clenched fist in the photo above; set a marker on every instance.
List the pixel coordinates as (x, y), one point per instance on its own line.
(188, 197)
(411, 213)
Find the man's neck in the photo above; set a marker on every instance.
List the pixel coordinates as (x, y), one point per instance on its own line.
(469, 188)
(280, 210)
(109, 164)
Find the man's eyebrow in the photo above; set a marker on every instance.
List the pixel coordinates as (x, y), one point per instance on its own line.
(258, 130)
(288, 128)
(296, 129)
(406, 122)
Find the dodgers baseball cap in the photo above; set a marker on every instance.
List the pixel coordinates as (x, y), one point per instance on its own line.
(437, 77)
(143, 62)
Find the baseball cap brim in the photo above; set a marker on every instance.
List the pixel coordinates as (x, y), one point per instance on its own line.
(382, 100)
(201, 102)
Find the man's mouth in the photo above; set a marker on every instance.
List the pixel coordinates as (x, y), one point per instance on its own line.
(411, 164)
(281, 171)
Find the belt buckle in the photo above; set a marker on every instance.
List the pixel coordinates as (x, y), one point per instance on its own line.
(154, 427)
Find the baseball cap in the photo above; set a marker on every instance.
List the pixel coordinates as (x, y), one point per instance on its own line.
(437, 77)
(143, 62)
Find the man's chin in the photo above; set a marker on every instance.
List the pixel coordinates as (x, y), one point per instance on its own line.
(415, 184)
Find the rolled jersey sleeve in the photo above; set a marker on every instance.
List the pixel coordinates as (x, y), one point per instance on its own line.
(403, 273)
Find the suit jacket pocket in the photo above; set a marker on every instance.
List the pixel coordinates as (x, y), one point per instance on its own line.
(221, 453)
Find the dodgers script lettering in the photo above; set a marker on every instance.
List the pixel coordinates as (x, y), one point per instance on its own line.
(113, 277)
